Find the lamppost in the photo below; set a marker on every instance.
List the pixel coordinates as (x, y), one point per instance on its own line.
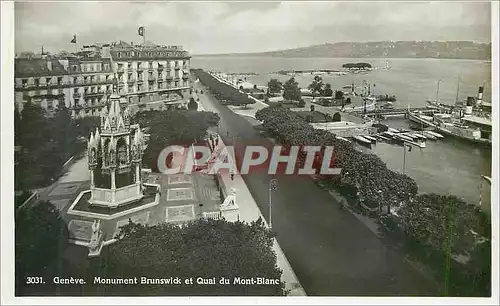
(404, 155)
(437, 91)
(273, 185)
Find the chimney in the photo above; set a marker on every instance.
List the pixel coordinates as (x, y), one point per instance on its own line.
(480, 95)
(49, 65)
(468, 106)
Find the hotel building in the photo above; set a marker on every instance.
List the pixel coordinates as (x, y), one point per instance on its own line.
(149, 77)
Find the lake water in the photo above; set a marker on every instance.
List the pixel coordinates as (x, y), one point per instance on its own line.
(448, 166)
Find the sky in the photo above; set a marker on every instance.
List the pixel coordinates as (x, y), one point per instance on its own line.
(240, 27)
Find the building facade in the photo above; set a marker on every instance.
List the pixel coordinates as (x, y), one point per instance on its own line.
(152, 77)
(149, 77)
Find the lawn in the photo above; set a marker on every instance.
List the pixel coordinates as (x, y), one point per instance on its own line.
(316, 116)
(283, 104)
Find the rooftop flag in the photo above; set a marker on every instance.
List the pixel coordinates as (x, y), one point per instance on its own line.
(140, 31)
(73, 41)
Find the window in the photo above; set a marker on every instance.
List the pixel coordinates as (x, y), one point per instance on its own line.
(59, 81)
(75, 80)
(176, 84)
(129, 65)
(75, 90)
(37, 82)
(106, 66)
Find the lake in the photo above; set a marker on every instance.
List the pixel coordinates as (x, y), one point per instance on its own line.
(448, 166)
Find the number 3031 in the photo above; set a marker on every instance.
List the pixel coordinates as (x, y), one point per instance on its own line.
(34, 280)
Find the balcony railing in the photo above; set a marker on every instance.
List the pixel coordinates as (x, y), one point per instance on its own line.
(151, 69)
(140, 81)
(40, 85)
(160, 80)
(151, 79)
(177, 67)
(130, 81)
(140, 69)
(160, 68)
(169, 77)
(185, 76)
(94, 94)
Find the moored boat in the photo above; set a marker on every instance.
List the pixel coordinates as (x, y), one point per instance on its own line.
(372, 139)
(432, 133)
(362, 140)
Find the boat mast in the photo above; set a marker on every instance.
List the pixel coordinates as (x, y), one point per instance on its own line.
(437, 92)
(458, 89)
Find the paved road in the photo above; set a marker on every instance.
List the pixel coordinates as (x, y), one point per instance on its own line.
(330, 250)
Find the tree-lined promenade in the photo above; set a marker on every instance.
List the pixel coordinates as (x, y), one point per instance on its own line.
(222, 91)
(443, 226)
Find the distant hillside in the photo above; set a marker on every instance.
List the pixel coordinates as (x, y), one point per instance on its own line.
(386, 49)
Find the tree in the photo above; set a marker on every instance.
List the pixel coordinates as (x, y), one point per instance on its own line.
(17, 126)
(192, 105)
(40, 236)
(33, 130)
(357, 65)
(291, 90)
(203, 248)
(184, 128)
(339, 94)
(63, 129)
(316, 86)
(224, 92)
(274, 86)
(328, 92)
(441, 222)
(336, 117)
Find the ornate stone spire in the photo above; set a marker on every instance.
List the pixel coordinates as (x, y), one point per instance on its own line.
(97, 136)
(91, 140)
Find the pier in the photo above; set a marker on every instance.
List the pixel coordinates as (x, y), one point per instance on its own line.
(393, 112)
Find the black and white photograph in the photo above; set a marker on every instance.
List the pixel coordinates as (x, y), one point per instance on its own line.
(236, 149)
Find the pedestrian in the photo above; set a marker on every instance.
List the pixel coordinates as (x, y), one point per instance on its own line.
(227, 133)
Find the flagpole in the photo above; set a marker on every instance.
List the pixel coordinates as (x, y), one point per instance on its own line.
(144, 36)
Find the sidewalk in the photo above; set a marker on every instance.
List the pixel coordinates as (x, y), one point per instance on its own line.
(248, 212)
(251, 109)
